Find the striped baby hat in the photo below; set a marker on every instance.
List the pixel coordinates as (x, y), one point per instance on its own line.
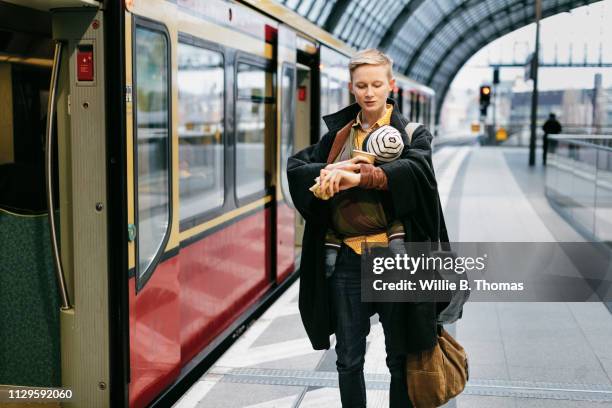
(385, 142)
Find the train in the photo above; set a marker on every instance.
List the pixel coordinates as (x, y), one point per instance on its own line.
(145, 216)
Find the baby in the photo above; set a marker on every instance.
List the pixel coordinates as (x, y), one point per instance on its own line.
(359, 212)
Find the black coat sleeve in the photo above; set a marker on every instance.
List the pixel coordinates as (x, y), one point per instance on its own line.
(412, 183)
(302, 169)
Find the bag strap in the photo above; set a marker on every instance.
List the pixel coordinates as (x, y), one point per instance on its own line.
(410, 128)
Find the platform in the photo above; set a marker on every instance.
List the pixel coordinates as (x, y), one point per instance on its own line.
(521, 354)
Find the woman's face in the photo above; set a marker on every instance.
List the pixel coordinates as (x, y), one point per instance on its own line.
(371, 86)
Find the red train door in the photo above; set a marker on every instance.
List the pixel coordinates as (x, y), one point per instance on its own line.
(154, 287)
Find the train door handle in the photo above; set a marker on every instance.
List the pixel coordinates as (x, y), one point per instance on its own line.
(59, 270)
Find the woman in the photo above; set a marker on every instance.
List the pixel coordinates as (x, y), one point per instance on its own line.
(408, 187)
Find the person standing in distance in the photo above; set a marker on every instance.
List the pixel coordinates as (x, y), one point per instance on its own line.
(551, 127)
(407, 188)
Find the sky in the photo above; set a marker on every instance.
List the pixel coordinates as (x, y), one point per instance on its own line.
(579, 33)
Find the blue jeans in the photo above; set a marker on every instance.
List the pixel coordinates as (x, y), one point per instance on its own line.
(352, 326)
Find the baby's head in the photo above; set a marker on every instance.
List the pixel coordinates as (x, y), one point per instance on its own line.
(386, 143)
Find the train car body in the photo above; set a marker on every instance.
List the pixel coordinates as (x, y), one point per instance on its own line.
(170, 125)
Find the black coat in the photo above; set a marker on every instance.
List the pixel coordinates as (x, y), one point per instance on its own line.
(552, 127)
(412, 190)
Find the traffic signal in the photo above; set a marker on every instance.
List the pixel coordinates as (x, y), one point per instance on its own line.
(485, 99)
(485, 95)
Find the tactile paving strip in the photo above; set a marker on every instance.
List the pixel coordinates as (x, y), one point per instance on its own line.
(540, 390)
(495, 388)
(273, 376)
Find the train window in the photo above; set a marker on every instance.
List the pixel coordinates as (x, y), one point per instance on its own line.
(412, 107)
(346, 95)
(200, 108)
(252, 94)
(419, 110)
(335, 96)
(287, 124)
(406, 103)
(152, 122)
(324, 91)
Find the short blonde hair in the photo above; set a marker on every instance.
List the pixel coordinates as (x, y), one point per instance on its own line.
(371, 56)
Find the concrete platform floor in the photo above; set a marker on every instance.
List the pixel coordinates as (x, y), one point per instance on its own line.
(521, 354)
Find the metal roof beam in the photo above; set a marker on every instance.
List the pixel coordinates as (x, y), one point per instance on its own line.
(368, 31)
(473, 30)
(398, 23)
(492, 14)
(441, 94)
(335, 14)
(460, 8)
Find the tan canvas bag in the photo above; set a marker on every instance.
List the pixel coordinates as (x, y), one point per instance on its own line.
(436, 376)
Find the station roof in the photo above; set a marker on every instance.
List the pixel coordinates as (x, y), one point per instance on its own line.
(429, 40)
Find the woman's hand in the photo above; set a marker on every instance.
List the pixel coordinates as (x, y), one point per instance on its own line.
(337, 180)
(349, 165)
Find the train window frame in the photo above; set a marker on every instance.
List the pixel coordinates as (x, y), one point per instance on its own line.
(138, 21)
(323, 102)
(292, 96)
(407, 103)
(268, 67)
(206, 215)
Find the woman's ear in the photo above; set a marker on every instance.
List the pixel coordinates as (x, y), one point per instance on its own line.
(350, 88)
